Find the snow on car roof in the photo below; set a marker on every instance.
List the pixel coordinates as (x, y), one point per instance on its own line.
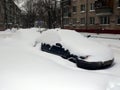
(77, 44)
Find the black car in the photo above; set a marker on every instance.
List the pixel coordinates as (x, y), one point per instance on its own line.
(89, 55)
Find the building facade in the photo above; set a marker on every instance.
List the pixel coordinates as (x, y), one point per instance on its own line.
(9, 14)
(91, 15)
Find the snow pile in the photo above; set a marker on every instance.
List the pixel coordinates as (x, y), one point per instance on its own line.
(77, 44)
(23, 67)
(28, 36)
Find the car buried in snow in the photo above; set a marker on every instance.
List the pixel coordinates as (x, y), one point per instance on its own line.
(71, 45)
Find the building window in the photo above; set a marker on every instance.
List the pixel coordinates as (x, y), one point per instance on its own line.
(65, 11)
(74, 20)
(118, 20)
(118, 3)
(82, 7)
(92, 6)
(74, 9)
(82, 21)
(66, 21)
(92, 20)
(104, 20)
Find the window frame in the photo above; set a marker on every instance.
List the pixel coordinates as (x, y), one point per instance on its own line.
(104, 20)
(118, 4)
(92, 20)
(65, 11)
(66, 21)
(82, 8)
(74, 21)
(92, 7)
(74, 9)
(118, 20)
(82, 21)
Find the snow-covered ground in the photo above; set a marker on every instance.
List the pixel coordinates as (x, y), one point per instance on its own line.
(24, 67)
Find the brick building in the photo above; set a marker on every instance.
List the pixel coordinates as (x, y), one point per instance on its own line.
(9, 14)
(91, 15)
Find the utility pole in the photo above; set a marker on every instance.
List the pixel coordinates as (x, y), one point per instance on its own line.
(86, 25)
(49, 14)
(31, 12)
(61, 6)
(55, 21)
(5, 14)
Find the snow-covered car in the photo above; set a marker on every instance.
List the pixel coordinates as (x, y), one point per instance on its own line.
(74, 47)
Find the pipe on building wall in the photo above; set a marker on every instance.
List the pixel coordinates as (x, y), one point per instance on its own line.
(86, 19)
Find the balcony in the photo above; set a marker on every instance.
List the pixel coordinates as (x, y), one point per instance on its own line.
(65, 2)
(67, 14)
(103, 7)
(104, 11)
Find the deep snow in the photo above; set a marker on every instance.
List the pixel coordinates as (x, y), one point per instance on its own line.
(24, 67)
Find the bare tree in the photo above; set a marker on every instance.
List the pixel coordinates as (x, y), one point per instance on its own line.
(47, 11)
(29, 16)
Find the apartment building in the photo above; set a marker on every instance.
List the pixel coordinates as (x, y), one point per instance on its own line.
(91, 15)
(9, 14)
